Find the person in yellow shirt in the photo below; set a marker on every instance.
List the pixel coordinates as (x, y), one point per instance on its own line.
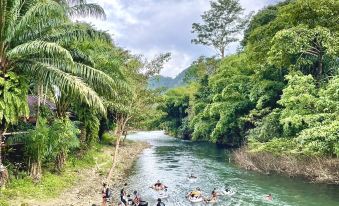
(195, 193)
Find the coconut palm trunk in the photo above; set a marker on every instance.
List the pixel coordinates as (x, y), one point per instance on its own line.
(60, 161)
(35, 170)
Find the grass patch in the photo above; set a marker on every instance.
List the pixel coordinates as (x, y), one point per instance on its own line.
(52, 184)
(49, 186)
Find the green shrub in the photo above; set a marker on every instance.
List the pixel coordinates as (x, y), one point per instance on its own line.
(267, 128)
(277, 146)
(108, 138)
(320, 140)
(63, 136)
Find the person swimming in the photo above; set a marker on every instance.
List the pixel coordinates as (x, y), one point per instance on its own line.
(159, 186)
(214, 196)
(195, 193)
(268, 197)
(192, 177)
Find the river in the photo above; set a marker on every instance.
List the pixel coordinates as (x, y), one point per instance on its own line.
(171, 161)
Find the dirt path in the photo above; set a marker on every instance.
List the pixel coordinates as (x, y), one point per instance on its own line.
(87, 190)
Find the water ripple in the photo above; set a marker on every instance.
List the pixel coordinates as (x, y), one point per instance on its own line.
(171, 160)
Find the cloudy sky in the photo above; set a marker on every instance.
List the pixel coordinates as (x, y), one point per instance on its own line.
(150, 27)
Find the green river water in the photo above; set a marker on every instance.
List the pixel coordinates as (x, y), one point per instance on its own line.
(171, 161)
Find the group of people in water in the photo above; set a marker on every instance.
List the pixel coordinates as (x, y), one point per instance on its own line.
(193, 196)
(126, 199)
(197, 195)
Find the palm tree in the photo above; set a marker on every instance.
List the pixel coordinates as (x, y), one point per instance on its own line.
(32, 33)
(82, 8)
(73, 8)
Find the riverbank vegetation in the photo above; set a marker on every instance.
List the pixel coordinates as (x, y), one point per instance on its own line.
(278, 95)
(79, 183)
(65, 87)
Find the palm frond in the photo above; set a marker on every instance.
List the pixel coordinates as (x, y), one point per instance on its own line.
(69, 32)
(74, 2)
(43, 48)
(36, 31)
(99, 80)
(81, 57)
(11, 18)
(37, 16)
(82, 9)
(69, 84)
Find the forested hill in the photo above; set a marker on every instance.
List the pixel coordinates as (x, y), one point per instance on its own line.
(167, 82)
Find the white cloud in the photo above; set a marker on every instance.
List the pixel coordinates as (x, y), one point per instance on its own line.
(150, 27)
(178, 62)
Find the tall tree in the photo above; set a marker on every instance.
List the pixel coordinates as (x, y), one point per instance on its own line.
(221, 25)
(31, 37)
(131, 106)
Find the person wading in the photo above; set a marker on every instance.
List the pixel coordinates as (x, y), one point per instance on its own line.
(106, 194)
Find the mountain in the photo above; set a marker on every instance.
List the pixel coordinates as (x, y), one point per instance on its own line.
(167, 82)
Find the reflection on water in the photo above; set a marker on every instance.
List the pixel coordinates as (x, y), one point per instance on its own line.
(171, 161)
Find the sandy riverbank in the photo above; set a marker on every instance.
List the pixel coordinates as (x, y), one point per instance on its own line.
(87, 188)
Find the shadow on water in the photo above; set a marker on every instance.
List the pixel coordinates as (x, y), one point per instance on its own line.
(171, 161)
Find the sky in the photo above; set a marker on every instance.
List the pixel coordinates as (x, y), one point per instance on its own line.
(150, 27)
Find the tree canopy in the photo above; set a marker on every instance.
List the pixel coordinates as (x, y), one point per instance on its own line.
(276, 95)
(221, 25)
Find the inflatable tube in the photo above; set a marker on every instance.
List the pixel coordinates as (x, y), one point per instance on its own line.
(143, 203)
(211, 201)
(229, 193)
(158, 188)
(129, 202)
(157, 204)
(195, 199)
(191, 180)
(162, 196)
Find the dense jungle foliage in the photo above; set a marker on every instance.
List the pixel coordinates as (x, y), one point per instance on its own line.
(64, 86)
(279, 93)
